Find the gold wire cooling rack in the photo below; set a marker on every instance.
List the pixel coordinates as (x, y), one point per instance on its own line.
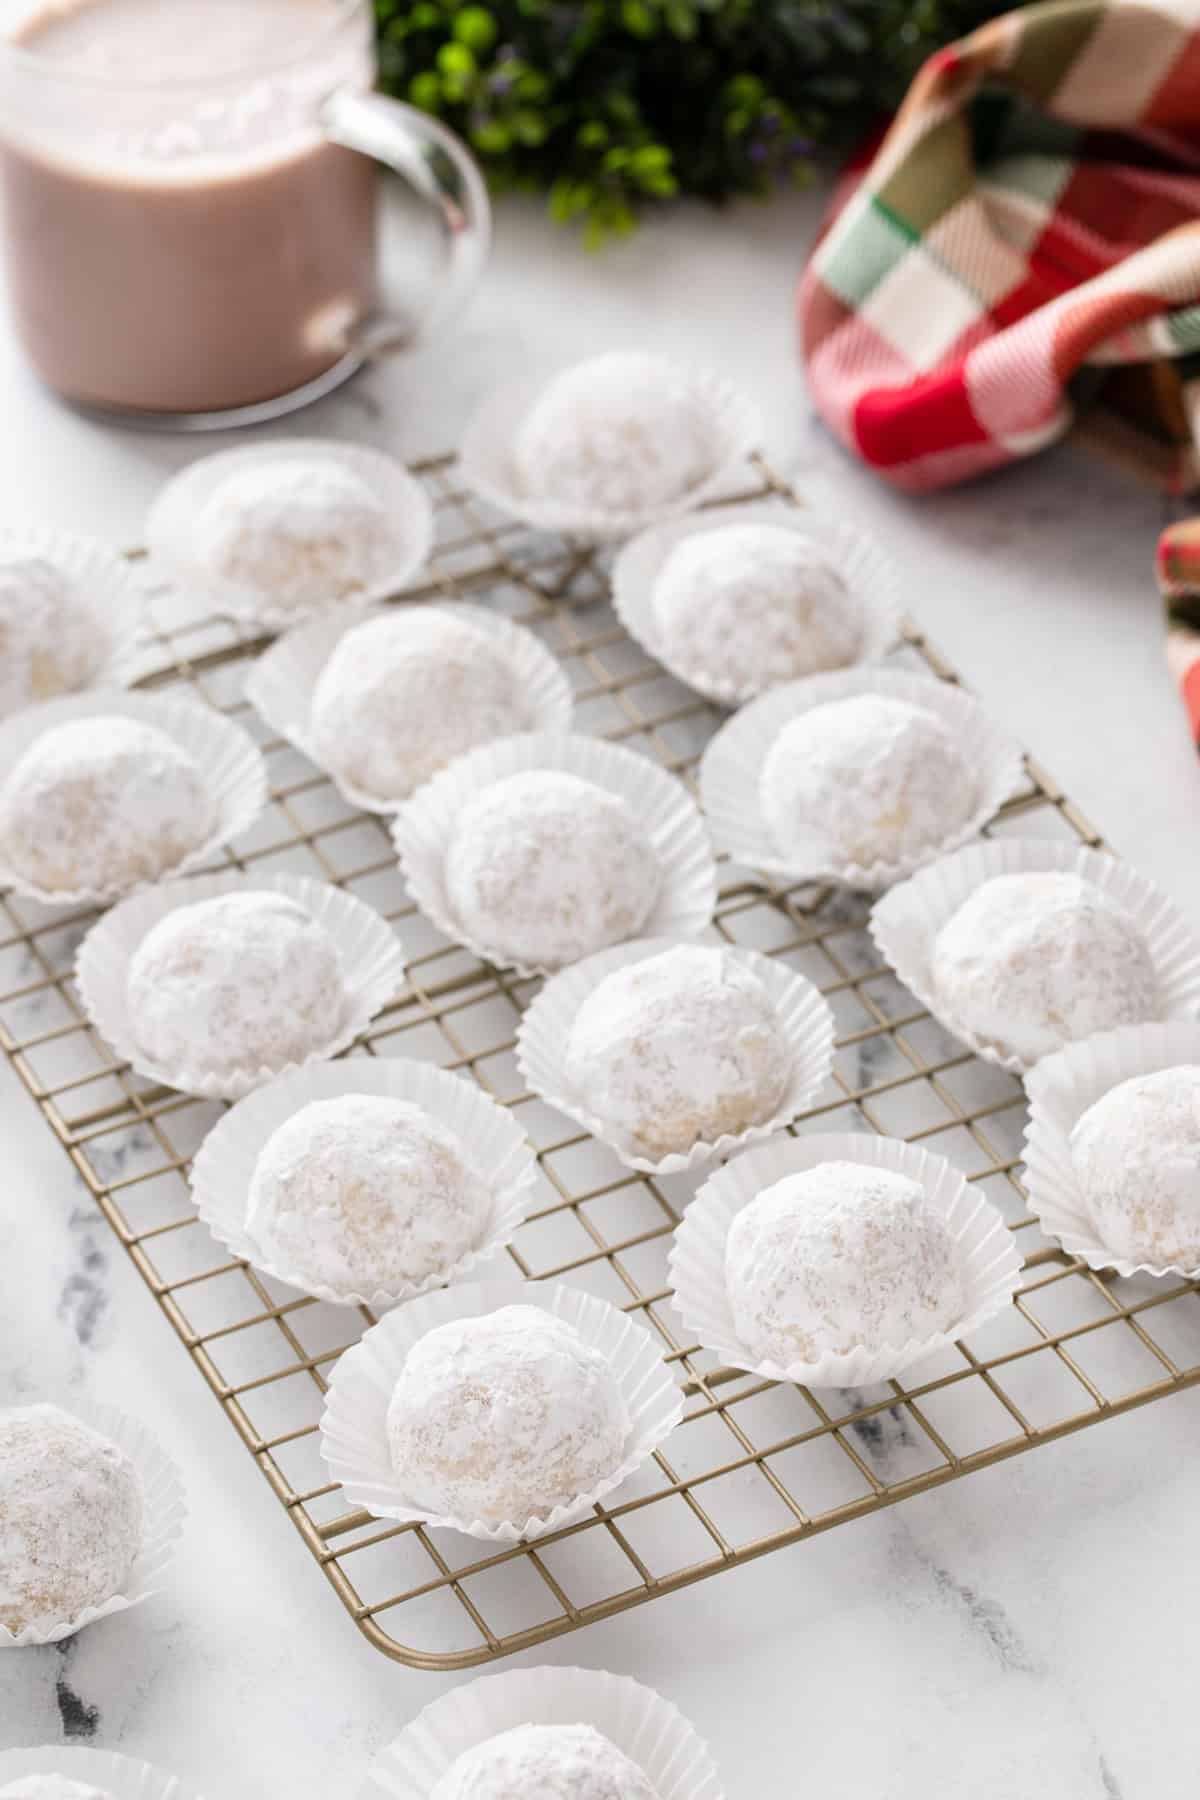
(754, 1467)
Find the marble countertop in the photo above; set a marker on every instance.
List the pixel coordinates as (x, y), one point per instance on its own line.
(1027, 1630)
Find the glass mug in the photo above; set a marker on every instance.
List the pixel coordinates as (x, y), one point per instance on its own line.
(190, 207)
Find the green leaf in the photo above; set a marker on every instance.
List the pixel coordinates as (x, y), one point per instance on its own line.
(475, 27)
(425, 91)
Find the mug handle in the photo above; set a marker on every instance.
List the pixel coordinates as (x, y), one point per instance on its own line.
(438, 167)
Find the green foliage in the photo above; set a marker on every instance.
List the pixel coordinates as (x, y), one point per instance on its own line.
(617, 105)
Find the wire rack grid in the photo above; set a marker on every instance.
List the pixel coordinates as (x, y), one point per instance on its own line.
(754, 1467)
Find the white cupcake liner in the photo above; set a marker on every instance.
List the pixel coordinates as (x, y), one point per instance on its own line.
(354, 1425)
(802, 1013)
(906, 922)
(487, 465)
(113, 589)
(731, 771)
(653, 1734)
(869, 575)
(124, 1777)
(371, 956)
(988, 1254)
(492, 1142)
(171, 522)
(230, 763)
(283, 681)
(424, 828)
(164, 1512)
(1061, 1088)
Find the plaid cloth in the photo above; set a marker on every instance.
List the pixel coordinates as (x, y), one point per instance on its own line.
(1025, 238)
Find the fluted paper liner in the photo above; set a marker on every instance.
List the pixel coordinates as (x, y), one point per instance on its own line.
(371, 957)
(731, 772)
(112, 588)
(124, 1777)
(170, 527)
(988, 1257)
(354, 1439)
(869, 576)
(801, 1012)
(906, 922)
(487, 461)
(283, 681)
(653, 1734)
(425, 825)
(493, 1145)
(1061, 1088)
(229, 763)
(164, 1510)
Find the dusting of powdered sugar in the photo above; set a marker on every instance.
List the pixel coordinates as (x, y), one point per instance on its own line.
(863, 780)
(544, 868)
(1136, 1153)
(402, 695)
(544, 1762)
(102, 804)
(679, 1049)
(300, 532)
(836, 1257)
(504, 1417)
(1031, 962)
(365, 1194)
(622, 432)
(51, 641)
(239, 982)
(755, 604)
(52, 1787)
(70, 1518)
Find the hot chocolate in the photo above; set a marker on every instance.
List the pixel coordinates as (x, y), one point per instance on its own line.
(181, 235)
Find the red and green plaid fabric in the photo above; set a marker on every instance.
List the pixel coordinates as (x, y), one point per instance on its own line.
(1030, 221)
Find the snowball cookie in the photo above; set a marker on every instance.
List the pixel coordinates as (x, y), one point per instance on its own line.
(544, 1762)
(544, 868)
(1136, 1153)
(1038, 960)
(243, 981)
(404, 694)
(623, 432)
(300, 531)
(102, 804)
(679, 1049)
(839, 1256)
(51, 642)
(504, 1416)
(756, 604)
(70, 1517)
(52, 1787)
(365, 1194)
(873, 778)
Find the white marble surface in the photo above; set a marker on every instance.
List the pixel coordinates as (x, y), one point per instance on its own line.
(1027, 1631)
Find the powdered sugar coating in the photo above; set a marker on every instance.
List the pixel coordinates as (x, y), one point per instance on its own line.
(51, 640)
(70, 1518)
(868, 778)
(52, 1787)
(100, 805)
(301, 532)
(622, 432)
(545, 867)
(544, 1762)
(836, 1257)
(1031, 962)
(365, 1194)
(404, 694)
(679, 1049)
(756, 604)
(504, 1417)
(239, 982)
(1136, 1153)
